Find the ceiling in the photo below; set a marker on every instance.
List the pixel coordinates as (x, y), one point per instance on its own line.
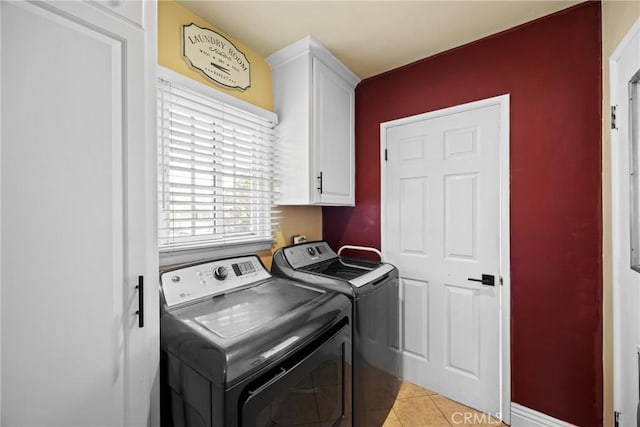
(369, 37)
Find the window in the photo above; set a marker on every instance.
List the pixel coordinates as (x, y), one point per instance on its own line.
(634, 156)
(216, 168)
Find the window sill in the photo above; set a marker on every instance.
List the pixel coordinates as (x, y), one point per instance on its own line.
(171, 257)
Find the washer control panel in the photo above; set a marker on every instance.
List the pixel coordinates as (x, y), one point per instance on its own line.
(308, 253)
(211, 278)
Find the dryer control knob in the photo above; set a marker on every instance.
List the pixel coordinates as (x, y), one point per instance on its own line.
(220, 273)
(311, 250)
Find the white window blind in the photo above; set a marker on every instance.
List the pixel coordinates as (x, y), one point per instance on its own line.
(216, 171)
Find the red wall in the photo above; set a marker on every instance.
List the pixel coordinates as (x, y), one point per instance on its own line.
(551, 67)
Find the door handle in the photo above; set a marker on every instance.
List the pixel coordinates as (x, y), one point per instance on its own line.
(638, 408)
(487, 279)
(638, 382)
(281, 372)
(319, 182)
(140, 311)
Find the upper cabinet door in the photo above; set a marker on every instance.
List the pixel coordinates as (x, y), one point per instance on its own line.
(313, 95)
(77, 146)
(333, 136)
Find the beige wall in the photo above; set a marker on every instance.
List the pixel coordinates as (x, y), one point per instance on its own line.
(617, 19)
(171, 18)
(305, 220)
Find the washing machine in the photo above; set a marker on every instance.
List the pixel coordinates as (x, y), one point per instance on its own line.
(372, 288)
(242, 348)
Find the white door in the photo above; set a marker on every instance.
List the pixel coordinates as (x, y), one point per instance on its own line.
(442, 229)
(333, 145)
(74, 199)
(624, 65)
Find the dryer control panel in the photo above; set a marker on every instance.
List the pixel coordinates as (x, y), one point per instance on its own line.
(211, 278)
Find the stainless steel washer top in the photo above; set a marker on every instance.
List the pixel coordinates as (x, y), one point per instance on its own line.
(236, 308)
(240, 312)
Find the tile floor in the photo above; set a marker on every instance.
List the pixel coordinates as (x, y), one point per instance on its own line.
(418, 407)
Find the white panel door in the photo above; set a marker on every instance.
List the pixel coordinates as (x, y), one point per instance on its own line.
(625, 64)
(442, 228)
(74, 198)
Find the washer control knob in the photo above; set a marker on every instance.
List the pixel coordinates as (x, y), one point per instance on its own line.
(220, 272)
(311, 250)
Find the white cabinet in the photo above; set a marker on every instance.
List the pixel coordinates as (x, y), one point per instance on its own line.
(77, 190)
(313, 95)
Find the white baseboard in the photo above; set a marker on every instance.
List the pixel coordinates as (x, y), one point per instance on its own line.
(522, 416)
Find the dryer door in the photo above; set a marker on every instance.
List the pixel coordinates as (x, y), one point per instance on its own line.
(312, 386)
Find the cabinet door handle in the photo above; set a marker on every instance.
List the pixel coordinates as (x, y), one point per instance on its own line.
(140, 311)
(320, 182)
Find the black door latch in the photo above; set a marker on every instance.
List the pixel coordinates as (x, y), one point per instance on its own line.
(487, 279)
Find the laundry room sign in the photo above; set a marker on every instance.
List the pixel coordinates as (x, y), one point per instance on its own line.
(215, 57)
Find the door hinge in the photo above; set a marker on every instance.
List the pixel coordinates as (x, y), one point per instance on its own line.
(385, 155)
(616, 419)
(613, 117)
(501, 281)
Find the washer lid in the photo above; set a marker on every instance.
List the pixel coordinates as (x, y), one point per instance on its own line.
(342, 268)
(357, 272)
(239, 312)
